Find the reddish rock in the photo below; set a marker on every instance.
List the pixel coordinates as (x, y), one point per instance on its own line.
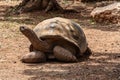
(107, 14)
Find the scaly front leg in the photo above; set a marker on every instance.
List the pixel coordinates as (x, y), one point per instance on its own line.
(63, 54)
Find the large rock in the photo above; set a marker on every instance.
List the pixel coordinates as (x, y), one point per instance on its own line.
(107, 14)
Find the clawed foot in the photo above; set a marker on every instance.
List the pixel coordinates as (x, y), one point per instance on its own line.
(34, 57)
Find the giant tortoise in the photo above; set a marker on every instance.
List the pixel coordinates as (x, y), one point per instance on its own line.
(56, 38)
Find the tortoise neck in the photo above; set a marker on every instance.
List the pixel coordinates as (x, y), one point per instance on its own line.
(37, 43)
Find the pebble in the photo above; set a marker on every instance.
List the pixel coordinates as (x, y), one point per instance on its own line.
(106, 50)
(112, 43)
(14, 62)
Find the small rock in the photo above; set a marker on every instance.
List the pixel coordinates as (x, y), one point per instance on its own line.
(112, 43)
(106, 50)
(14, 62)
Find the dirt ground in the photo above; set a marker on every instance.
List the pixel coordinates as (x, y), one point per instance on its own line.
(104, 40)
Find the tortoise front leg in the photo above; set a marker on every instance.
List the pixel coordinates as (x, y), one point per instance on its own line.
(34, 57)
(63, 54)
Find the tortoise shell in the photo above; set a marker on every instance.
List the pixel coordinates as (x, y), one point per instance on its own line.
(64, 29)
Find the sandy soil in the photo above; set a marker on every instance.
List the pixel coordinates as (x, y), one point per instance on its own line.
(104, 40)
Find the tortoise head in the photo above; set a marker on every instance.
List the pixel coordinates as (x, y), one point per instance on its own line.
(37, 43)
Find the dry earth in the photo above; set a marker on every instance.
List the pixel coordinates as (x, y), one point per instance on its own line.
(104, 40)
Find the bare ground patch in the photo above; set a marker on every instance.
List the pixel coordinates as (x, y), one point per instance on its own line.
(104, 40)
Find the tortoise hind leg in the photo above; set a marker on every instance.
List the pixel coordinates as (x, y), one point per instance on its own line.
(87, 53)
(63, 54)
(34, 57)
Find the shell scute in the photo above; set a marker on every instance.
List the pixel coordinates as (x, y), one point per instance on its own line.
(65, 28)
